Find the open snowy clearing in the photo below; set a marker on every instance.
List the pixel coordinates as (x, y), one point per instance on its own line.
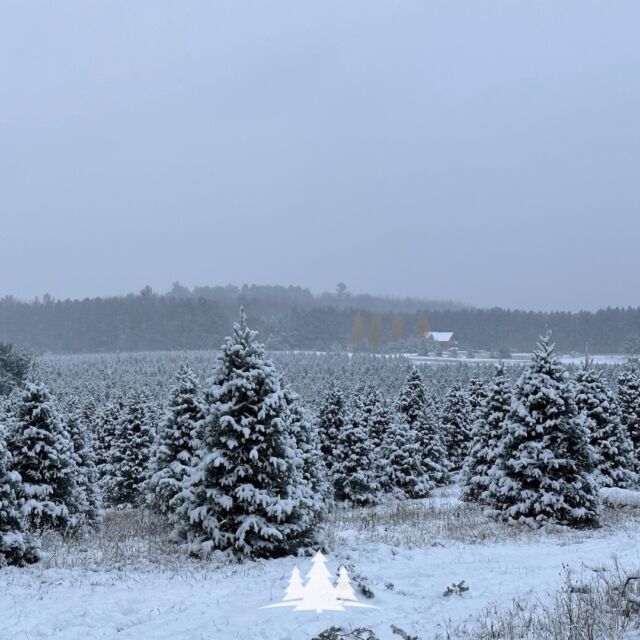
(136, 588)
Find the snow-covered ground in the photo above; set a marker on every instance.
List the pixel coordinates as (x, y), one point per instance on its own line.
(80, 597)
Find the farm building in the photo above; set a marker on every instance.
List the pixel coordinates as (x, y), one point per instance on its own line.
(444, 339)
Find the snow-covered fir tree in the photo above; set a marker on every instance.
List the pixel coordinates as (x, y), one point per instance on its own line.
(331, 420)
(247, 495)
(418, 408)
(305, 432)
(629, 402)
(88, 505)
(615, 458)
(43, 456)
(17, 547)
(105, 426)
(126, 472)
(485, 438)
(544, 472)
(174, 450)
(354, 471)
(455, 423)
(403, 474)
(477, 395)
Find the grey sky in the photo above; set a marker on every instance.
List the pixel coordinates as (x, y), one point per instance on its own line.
(483, 150)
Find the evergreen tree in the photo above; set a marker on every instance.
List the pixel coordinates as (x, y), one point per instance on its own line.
(477, 397)
(105, 426)
(629, 402)
(247, 495)
(455, 421)
(43, 456)
(174, 451)
(485, 439)
(544, 470)
(128, 467)
(403, 474)
(88, 503)
(331, 420)
(417, 408)
(353, 472)
(16, 546)
(614, 453)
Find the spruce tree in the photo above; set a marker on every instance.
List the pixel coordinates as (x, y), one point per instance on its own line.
(615, 459)
(485, 438)
(331, 420)
(43, 456)
(174, 451)
(127, 470)
(354, 471)
(247, 495)
(544, 472)
(105, 426)
(455, 421)
(417, 407)
(16, 546)
(629, 402)
(477, 396)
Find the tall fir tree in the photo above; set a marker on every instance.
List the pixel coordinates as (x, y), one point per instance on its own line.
(477, 396)
(247, 496)
(354, 472)
(126, 473)
(174, 450)
(105, 426)
(43, 455)
(331, 420)
(485, 438)
(545, 467)
(629, 402)
(17, 547)
(614, 451)
(417, 408)
(455, 421)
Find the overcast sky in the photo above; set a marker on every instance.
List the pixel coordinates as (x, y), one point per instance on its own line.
(483, 151)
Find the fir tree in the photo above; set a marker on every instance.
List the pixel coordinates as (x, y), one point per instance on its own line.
(43, 456)
(455, 421)
(477, 396)
(403, 474)
(353, 472)
(629, 402)
(174, 451)
(128, 467)
(16, 546)
(614, 454)
(247, 495)
(417, 408)
(485, 438)
(105, 426)
(88, 504)
(544, 470)
(331, 420)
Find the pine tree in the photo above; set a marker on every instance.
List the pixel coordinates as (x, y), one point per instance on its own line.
(629, 402)
(128, 467)
(615, 460)
(319, 593)
(331, 420)
(353, 472)
(455, 421)
(477, 397)
(485, 438)
(105, 426)
(16, 546)
(544, 470)
(247, 496)
(174, 451)
(415, 405)
(42, 453)
(344, 590)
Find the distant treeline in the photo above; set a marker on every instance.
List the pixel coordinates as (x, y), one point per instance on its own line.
(293, 318)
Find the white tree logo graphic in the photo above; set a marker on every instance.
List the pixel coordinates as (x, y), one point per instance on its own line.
(319, 593)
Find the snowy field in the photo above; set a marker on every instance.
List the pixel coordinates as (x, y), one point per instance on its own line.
(126, 582)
